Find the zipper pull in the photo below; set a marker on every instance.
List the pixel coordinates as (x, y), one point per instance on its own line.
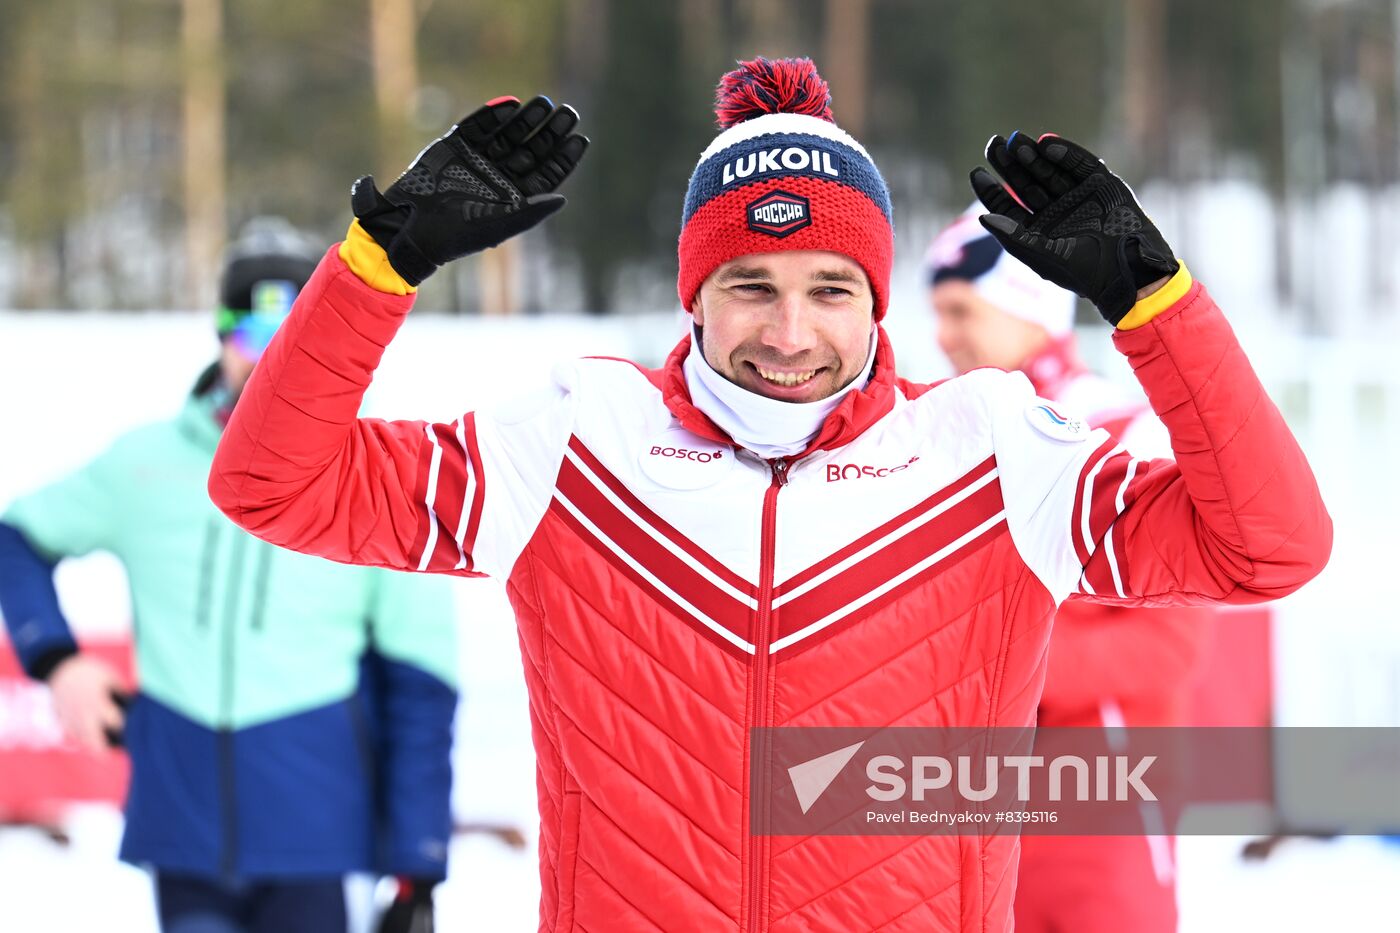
(780, 470)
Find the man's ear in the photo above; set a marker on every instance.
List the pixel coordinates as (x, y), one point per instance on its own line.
(697, 311)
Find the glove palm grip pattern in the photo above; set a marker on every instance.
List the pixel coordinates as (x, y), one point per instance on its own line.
(491, 177)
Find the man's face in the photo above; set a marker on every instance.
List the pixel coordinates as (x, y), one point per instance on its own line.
(246, 343)
(973, 332)
(793, 326)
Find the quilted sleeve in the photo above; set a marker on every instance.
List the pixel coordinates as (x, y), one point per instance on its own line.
(1236, 516)
(299, 468)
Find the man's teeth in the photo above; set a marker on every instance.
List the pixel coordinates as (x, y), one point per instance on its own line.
(786, 379)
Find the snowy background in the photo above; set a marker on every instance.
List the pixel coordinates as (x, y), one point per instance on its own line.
(70, 383)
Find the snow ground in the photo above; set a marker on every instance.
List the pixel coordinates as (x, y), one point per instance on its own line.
(1308, 885)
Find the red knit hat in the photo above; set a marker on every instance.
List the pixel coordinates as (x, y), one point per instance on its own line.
(783, 176)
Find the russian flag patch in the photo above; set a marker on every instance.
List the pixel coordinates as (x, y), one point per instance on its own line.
(1056, 424)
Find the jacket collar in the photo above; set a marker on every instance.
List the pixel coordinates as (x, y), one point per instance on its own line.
(197, 422)
(857, 411)
(203, 416)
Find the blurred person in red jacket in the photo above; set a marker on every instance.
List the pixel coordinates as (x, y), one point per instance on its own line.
(1109, 666)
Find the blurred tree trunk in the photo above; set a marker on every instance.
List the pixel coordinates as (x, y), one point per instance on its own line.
(702, 24)
(38, 278)
(1395, 66)
(203, 145)
(1144, 86)
(393, 30)
(586, 30)
(585, 47)
(845, 61)
(770, 29)
(497, 284)
(1305, 162)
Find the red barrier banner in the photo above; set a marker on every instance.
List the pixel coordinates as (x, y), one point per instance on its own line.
(41, 772)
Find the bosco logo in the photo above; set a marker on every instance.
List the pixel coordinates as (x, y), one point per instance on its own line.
(779, 213)
(685, 453)
(835, 472)
(677, 459)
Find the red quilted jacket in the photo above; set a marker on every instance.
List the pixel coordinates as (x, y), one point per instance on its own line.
(672, 592)
(1111, 664)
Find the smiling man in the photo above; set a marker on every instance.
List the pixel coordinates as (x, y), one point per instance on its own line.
(772, 529)
(791, 326)
(784, 337)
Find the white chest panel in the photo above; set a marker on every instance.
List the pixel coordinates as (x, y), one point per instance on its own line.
(714, 496)
(913, 488)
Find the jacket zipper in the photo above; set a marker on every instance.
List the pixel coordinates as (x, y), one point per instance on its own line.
(260, 585)
(227, 789)
(758, 700)
(206, 575)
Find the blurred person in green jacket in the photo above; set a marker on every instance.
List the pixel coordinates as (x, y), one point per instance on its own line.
(293, 723)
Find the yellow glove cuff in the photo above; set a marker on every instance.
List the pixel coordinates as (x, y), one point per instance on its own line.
(370, 263)
(1159, 301)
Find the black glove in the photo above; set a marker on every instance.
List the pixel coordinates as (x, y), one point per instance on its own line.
(116, 738)
(1077, 224)
(492, 176)
(412, 910)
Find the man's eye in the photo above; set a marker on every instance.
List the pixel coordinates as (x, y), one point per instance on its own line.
(752, 288)
(832, 291)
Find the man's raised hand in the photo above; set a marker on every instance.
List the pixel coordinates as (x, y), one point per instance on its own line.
(1064, 214)
(492, 176)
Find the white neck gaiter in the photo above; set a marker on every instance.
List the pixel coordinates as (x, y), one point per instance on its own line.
(766, 426)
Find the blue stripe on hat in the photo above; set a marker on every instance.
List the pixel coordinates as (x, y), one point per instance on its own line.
(764, 158)
(975, 259)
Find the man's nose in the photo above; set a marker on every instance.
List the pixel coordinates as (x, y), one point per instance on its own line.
(789, 332)
(946, 337)
(947, 333)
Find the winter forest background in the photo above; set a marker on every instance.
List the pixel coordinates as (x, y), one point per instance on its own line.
(136, 136)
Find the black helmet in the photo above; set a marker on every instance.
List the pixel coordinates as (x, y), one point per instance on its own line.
(263, 271)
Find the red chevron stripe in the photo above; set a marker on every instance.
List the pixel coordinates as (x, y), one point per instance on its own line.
(420, 495)
(661, 525)
(1076, 520)
(890, 561)
(1096, 578)
(1103, 508)
(682, 578)
(558, 511)
(1115, 563)
(837, 626)
(447, 498)
(479, 494)
(864, 541)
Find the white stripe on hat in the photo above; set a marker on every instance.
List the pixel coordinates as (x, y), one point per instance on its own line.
(771, 123)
